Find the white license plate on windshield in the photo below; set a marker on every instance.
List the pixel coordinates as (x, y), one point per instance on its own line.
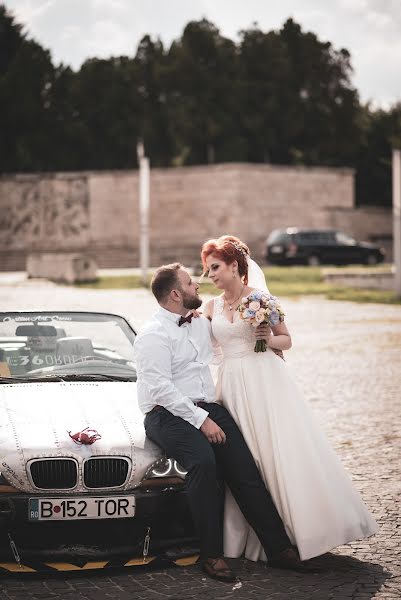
(66, 509)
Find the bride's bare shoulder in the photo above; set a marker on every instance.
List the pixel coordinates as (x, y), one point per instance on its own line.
(248, 290)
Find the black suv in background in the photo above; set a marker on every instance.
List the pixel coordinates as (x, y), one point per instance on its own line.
(319, 246)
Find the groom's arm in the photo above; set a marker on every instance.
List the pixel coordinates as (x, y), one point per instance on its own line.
(153, 360)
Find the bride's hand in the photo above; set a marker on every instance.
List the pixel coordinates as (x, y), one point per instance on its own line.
(195, 313)
(263, 332)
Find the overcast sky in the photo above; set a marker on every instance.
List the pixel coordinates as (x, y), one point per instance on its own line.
(74, 30)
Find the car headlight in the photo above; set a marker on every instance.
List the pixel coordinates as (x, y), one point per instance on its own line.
(165, 467)
(180, 470)
(164, 473)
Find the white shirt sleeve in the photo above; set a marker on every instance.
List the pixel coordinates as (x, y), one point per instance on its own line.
(153, 361)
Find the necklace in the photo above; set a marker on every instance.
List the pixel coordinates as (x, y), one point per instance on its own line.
(231, 304)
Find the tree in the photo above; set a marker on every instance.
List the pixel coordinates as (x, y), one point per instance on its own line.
(11, 38)
(382, 133)
(154, 123)
(70, 137)
(105, 112)
(324, 108)
(264, 98)
(25, 122)
(203, 104)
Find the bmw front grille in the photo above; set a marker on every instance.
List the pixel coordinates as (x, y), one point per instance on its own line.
(54, 473)
(105, 472)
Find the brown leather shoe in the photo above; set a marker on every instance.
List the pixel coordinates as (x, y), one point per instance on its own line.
(217, 568)
(289, 559)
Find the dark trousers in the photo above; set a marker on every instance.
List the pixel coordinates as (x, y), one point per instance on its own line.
(204, 463)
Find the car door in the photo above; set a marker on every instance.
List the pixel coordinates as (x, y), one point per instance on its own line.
(321, 245)
(347, 249)
(308, 246)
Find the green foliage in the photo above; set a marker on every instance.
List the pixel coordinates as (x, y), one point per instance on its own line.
(283, 97)
(11, 38)
(381, 132)
(202, 102)
(25, 123)
(285, 275)
(322, 106)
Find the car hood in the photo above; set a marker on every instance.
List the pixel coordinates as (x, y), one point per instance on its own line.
(36, 418)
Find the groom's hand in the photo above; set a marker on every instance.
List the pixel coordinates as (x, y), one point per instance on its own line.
(212, 431)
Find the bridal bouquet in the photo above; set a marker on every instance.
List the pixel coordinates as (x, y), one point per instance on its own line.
(260, 307)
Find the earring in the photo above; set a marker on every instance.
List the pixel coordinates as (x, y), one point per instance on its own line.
(234, 275)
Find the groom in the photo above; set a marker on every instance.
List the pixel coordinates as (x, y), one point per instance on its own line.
(176, 393)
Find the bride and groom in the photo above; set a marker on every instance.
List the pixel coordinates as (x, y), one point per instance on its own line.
(288, 496)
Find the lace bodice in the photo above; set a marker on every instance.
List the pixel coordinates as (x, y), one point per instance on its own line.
(236, 338)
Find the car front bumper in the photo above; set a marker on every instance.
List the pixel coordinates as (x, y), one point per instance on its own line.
(162, 512)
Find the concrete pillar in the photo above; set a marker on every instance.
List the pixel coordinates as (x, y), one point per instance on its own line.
(397, 219)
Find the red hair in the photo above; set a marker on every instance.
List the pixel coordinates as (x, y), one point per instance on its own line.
(228, 248)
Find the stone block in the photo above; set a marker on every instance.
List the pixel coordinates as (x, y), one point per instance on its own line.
(66, 267)
(360, 278)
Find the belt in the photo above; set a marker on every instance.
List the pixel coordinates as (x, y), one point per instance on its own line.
(200, 403)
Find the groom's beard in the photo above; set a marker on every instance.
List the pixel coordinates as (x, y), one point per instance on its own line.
(190, 302)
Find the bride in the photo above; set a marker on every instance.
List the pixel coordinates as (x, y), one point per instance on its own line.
(319, 505)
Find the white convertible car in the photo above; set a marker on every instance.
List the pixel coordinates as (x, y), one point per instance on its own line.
(78, 476)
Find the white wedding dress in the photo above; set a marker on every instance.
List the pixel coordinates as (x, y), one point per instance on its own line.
(318, 503)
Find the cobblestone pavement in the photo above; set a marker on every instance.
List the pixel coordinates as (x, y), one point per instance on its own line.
(347, 358)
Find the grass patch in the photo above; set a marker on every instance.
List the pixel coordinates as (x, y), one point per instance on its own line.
(282, 281)
(295, 281)
(363, 295)
(120, 282)
(305, 275)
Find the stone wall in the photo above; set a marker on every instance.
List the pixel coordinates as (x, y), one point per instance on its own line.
(42, 212)
(279, 197)
(98, 211)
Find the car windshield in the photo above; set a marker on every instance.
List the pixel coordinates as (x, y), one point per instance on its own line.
(278, 236)
(343, 238)
(65, 345)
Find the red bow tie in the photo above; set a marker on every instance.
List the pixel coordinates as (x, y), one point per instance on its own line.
(183, 320)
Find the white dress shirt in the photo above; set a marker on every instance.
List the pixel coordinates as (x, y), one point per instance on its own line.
(173, 366)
